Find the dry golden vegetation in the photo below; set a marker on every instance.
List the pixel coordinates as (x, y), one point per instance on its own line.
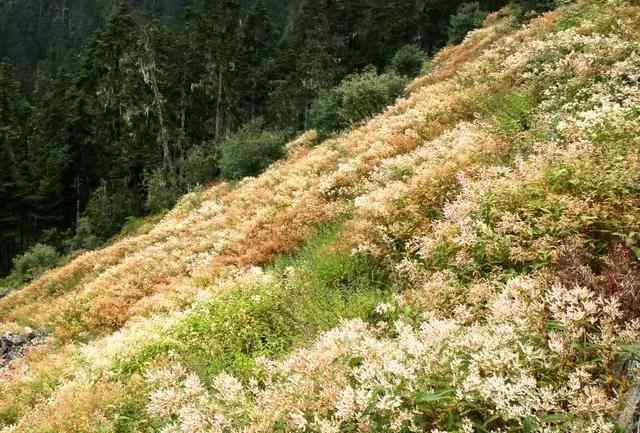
(466, 261)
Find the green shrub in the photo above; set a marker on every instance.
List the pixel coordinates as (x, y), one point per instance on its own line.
(325, 269)
(325, 112)
(357, 97)
(468, 17)
(408, 61)
(165, 186)
(84, 237)
(35, 262)
(305, 294)
(136, 226)
(270, 318)
(524, 9)
(250, 151)
(163, 189)
(199, 167)
(108, 209)
(512, 112)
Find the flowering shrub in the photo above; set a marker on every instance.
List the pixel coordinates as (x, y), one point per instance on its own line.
(520, 363)
(483, 279)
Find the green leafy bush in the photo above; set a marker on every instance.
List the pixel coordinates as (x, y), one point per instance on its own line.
(108, 209)
(512, 112)
(35, 261)
(84, 237)
(357, 97)
(272, 316)
(165, 186)
(199, 167)
(408, 61)
(524, 9)
(468, 17)
(250, 151)
(267, 314)
(163, 189)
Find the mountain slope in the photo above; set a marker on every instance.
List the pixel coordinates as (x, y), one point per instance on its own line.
(466, 261)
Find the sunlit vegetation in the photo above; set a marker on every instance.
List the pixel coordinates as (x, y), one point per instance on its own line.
(466, 261)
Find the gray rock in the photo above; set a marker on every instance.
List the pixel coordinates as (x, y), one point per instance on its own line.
(13, 346)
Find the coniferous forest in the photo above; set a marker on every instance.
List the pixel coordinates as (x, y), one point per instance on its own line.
(111, 110)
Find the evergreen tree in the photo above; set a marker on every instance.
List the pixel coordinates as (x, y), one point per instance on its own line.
(217, 25)
(258, 45)
(468, 17)
(309, 61)
(14, 111)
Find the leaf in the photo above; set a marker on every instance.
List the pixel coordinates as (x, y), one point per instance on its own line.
(431, 397)
(557, 418)
(356, 362)
(528, 424)
(453, 420)
(490, 420)
(633, 349)
(553, 325)
(483, 427)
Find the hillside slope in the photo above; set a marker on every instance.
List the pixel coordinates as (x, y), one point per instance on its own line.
(467, 261)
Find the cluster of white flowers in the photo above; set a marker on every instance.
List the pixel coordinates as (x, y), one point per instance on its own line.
(371, 376)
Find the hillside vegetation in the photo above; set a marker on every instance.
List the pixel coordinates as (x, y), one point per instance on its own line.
(466, 261)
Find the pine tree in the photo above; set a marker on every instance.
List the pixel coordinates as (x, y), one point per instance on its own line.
(308, 61)
(14, 111)
(217, 25)
(258, 45)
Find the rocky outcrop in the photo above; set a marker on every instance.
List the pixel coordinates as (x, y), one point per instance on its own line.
(13, 346)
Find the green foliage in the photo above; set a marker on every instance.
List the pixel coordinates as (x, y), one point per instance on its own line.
(524, 9)
(199, 167)
(317, 290)
(136, 226)
(512, 112)
(108, 209)
(408, 61)
(35, 261)
(468, 17)
(230, 333)
(165, 186)
(128, 416)
(323, 266)
(163, 190)
(9, 415)
(84, 238)
(325, 112)
(356, 98)
(307, 293)
(250, 151)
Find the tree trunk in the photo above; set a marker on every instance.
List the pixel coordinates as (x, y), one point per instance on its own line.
(149, 75)
(77, 185)
(218, 105)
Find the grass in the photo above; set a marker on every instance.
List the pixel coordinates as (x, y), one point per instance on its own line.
(299, 296)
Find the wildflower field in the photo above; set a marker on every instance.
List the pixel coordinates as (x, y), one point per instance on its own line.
(466, 261)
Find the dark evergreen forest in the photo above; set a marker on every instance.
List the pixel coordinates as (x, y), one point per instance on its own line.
(109, 111)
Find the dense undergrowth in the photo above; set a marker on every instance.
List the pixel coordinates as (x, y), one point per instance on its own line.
(465, 262)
